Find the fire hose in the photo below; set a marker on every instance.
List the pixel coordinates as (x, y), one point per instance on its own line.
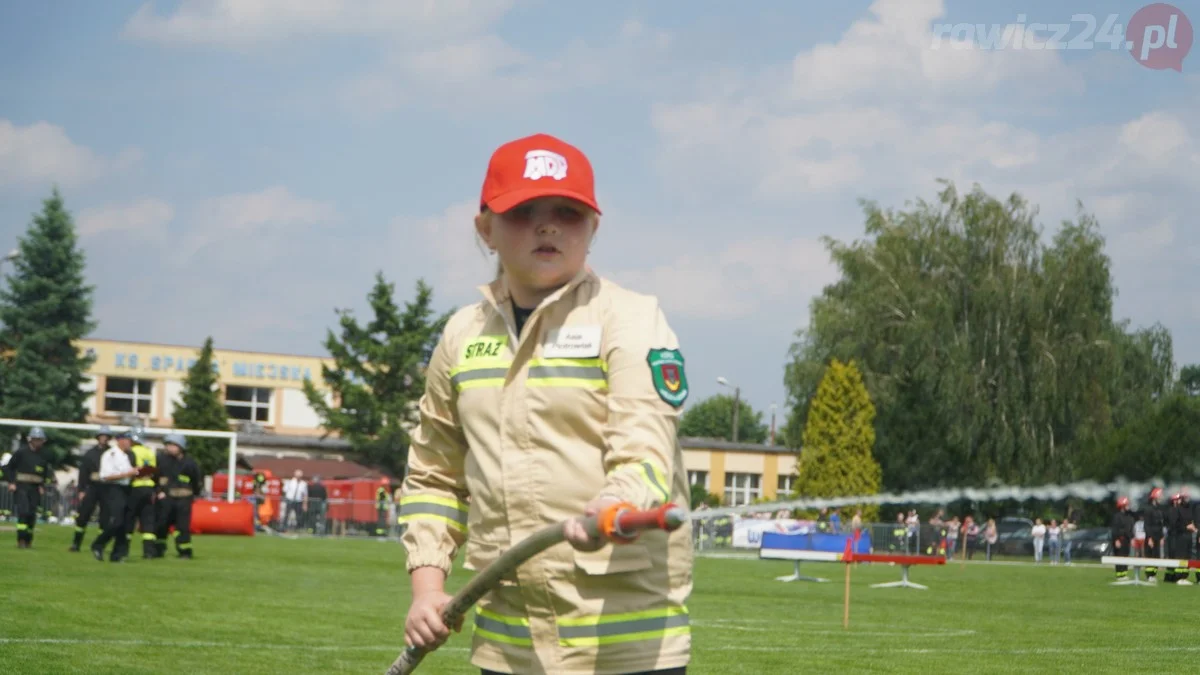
(618, 522)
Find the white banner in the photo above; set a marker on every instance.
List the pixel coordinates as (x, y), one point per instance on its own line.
(747, 532)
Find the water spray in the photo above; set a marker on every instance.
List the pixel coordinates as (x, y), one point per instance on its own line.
(1090, 491)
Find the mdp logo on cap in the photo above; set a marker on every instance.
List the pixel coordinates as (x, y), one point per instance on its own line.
(543, 164)
(1159, 36)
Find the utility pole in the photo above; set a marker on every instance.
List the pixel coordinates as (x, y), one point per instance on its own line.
(737, 404)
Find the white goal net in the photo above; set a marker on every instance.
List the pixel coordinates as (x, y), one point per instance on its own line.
(24, 425)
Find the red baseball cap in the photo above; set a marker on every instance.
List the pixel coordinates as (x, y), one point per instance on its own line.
(537, 166)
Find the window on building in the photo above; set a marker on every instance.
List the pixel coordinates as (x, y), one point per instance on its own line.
(698, 478)
(127, 395)
(784, 488)
(248, 403)
(742, 488)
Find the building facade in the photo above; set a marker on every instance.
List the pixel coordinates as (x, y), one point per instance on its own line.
(264, 397)
(263, 391)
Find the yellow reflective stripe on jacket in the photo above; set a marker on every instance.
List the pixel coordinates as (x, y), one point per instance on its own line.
(453, 512)
(590, 373)
(511, 630)
(627, 627)
(480, 373)
(652, 477)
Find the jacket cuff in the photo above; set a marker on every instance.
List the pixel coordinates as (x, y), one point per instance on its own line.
(441, 562)
(642, 484)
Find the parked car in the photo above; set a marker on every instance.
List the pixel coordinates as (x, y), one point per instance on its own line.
(1090, 543)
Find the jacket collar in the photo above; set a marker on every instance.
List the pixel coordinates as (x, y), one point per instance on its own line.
(498, 293)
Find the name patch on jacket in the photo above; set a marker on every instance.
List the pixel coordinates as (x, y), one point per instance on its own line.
(484, 347)
(572, 342)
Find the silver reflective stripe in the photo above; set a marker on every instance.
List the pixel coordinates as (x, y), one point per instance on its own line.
(480, 374)
(501, 628)
(611, 628)
(425, 508)
(567, 372)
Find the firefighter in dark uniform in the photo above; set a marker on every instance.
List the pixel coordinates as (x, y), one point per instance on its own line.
(382, 496)
(1179, 534)
(179, 482)
(140, 509)
(27, 473)
(1155, 520)
(89, 485)
(1121, 530)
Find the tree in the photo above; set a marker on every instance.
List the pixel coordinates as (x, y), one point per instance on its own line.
(701, 496)
(45, 309)
(378, 374)
(200, 407)
(713, 418)
(990, 356)
(1161, 445)
(839, 439)
(1189, 379)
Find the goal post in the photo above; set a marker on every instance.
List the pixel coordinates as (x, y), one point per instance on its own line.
(231, 436)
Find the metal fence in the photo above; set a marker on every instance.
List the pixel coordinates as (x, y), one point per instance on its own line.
(734, 534)
(725, 533)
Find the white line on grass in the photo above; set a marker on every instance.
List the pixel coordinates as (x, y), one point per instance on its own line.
(859, 649)
(214, 645)
(740, 624)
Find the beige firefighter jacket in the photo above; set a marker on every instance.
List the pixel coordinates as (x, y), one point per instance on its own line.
(520, 432)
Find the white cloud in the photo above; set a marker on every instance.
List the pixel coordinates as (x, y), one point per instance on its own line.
(239, 23)
(897, 54)
(42, 153)
(748, 277)
(482, 66)
(447, 245)
(250, 216)
(146, 217)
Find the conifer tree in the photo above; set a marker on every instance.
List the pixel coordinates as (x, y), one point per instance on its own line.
(44, 310)
(378, 374)
(836, 458)
(200, 407)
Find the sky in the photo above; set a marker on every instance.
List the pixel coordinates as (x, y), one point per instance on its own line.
(242, 168)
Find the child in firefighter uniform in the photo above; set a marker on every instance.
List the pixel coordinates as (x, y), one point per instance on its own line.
(556, 395)
(27, 473)
(179, 482)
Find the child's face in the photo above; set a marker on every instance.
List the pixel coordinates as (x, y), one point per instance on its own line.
(542, 243)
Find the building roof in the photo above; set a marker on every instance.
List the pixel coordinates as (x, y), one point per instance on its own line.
(728, 446)
(284, 467)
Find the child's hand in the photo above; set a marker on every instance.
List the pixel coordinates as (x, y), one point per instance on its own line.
(577, 536)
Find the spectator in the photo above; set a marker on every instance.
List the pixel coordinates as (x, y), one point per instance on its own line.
(295, 493)
(971, 531)
(1039, 539)
(1054, 533)
(952, 529)
(913, 527)
(991, 535)
(1068, 530)
(317, 498)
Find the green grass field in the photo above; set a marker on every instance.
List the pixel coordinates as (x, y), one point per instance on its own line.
(273, 605)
